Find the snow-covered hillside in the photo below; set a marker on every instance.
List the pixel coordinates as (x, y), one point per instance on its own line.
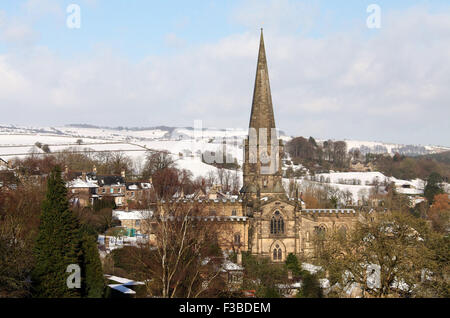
(389, 148)
(359, 184)
(164, 137)
(186, 147)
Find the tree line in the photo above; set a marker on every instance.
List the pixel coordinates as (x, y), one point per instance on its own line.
(329, 155)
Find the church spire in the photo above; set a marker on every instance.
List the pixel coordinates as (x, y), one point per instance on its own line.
(262, 171)
(262, 109)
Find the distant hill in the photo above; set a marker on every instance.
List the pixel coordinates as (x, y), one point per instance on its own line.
(443, 157)
(165, 128)
(182, 133)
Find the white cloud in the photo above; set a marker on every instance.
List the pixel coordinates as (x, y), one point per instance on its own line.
(391, 86)
(172, 40)
(17, 33)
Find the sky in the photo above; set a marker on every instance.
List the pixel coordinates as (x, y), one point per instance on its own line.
(141, 63)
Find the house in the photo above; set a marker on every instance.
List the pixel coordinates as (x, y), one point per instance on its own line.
(139, 221)
(230, 272)
(358, 166)
(137, 192)
(112, 187)
(82, 192)
(87, 187)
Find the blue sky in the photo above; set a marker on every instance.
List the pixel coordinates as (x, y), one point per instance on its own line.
(137, 28)
(331, 76)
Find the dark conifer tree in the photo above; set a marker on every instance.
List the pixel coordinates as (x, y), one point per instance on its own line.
(93, 282)
(58, 243)
(433, 187)
(292, 264)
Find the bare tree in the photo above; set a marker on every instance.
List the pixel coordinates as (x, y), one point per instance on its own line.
(384, 255)
(182, 257)
(156, 161)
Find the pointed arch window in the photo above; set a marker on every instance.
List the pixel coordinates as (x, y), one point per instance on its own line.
(237, 239)
(320, 231)
(277, 253)
(343, 231)
(277, 224)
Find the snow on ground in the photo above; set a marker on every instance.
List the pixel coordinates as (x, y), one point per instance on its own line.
(198, 168)
(31, 139)
(311, 268)
(132, 215)
(186, 147)
(360, 183)
(363, 176)
(390, 148)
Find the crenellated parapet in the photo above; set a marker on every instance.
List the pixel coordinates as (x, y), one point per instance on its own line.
(329, 212)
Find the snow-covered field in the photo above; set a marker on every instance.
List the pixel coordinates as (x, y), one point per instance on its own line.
(389, 148)
(360, 183)
(186, 147)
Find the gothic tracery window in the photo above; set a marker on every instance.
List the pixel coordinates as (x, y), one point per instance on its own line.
(277, 224)
(277, 253)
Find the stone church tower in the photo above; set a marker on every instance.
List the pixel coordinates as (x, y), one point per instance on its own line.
(262, 150)
(277, 225)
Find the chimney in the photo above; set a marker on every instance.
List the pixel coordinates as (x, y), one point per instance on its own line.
(83, 176)
(150, 180)
(66, 170)
(94, 169)
(122, 173)
(239, 257)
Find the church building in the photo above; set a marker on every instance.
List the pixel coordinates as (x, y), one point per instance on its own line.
(263, 219)
(277, 225)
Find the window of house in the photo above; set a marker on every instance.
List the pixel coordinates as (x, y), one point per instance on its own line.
(234, 213)
(137, 223)
(103, 190)
(212, 212)
(277, 224)
(111, 190)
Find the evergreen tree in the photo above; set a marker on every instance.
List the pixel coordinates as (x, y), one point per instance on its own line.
(93, 283)
(310, 286)
(433, 187)
(292, 264)
(57, 244)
